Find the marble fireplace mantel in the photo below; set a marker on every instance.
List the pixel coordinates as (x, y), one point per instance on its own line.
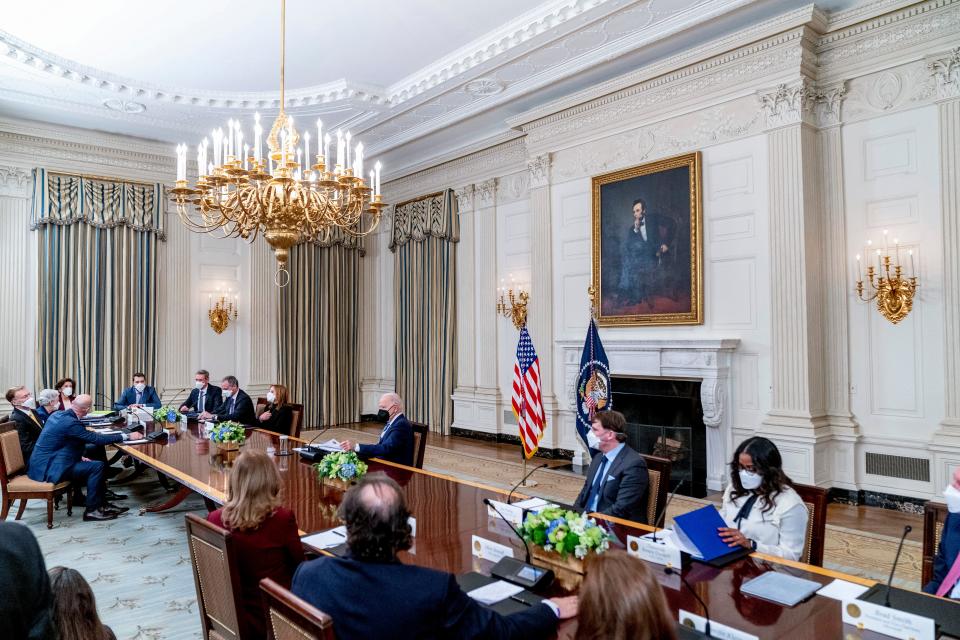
(706, 360)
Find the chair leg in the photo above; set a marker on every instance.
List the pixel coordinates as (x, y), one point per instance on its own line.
(50, 512)
(23, 506)
(6, 508)
(69, 502)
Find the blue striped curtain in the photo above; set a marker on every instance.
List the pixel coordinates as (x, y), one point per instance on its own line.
(96, 280)
(425, 236)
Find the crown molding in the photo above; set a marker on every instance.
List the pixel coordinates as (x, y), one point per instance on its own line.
(460, 152)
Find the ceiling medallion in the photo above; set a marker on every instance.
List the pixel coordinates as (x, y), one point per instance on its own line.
(123, 106)
(484, 87)
(242, 194)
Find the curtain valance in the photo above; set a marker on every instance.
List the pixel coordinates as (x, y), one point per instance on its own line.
(63, 200)
(430, 216)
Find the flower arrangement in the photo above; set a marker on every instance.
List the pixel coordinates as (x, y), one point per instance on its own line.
(565, 532)
(341, 465)
(228, 432)
(163, 414)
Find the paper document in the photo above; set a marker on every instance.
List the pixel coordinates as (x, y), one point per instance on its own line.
(140, 441)
(533, 504)
(108, 432)
(326, 539)
(494, 592)
(843, 590)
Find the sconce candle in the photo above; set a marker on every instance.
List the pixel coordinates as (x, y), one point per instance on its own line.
(891, 289)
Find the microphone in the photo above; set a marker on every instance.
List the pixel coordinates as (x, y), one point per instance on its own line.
(109, 403)
(663, 514)
(524, 479)
(489, 503)
(906, 529)
(172, 403)
(308, 452)
(670, 571)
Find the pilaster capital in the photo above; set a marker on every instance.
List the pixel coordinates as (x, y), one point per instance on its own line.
(465, 198)
(945, 70)
(15, 181)
(802, 101)
(486, 192)
(539, 168)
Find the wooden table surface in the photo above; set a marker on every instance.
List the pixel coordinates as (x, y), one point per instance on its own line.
(449, 511)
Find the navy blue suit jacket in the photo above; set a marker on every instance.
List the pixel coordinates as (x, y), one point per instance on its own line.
(210, 401)
(61, 445)
(624, 491)
(242, 409)
(395, 445)
(947, 552)
(395, 600)
(129, 397)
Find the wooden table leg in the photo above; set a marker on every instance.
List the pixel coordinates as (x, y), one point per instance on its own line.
(173, 501)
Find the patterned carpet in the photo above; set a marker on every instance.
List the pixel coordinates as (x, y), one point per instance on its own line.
(139, 567)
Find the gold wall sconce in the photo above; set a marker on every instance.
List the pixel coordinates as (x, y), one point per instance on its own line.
(221, 310)
(891, 289)
(512, 302)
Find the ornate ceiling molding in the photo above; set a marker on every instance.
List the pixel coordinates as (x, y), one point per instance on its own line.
(945, 70)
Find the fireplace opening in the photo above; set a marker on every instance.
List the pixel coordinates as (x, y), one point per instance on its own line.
(665, 419)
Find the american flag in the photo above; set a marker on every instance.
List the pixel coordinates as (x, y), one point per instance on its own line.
(527, 401)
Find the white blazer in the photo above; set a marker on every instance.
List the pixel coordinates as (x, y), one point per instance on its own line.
(781, 531)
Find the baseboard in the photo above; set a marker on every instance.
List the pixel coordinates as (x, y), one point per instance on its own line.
(502, 438)
(904, 504)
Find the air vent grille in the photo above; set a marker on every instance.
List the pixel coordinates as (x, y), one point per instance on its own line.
(508, 417)
(882, 464)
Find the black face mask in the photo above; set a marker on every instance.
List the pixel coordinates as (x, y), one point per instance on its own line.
(382, 416)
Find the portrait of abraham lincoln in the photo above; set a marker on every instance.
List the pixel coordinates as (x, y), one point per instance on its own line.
(647, 253)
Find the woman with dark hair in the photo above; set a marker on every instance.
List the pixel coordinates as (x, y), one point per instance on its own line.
(75, 608)
(277, 416)
(620, 599)
(763, 511)
(68, 391)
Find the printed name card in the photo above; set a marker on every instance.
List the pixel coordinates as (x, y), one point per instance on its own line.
(658, 551)
(512, 512)
(717, 630)
(413, 526)
(489, 550)
(890, 622)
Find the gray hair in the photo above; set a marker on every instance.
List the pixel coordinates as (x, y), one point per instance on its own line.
(47, 396)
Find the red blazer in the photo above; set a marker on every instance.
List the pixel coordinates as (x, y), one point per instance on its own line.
(273, 550)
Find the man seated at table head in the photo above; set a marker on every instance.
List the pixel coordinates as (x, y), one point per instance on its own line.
(371, 594)
(25, 417)
(138, 396)
(396, 439)
(617, 479)
(204, 396)
(58, 454)
(48, 401)
(234, 404)
(946, 564)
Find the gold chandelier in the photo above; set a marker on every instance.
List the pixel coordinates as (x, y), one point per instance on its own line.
(894, 292)
(244, 195)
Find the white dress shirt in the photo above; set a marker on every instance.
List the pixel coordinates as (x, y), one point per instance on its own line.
(780, 531)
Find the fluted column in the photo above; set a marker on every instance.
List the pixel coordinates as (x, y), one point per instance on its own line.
(464, 394)
(945, 70)
(262, 308)
(18, 263)
(489, 416)
(540, 311)
(175, 298)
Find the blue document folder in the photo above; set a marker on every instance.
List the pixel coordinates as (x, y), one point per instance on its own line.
(698, 530)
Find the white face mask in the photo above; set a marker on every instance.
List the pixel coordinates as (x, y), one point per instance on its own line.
(271, 397)
(227, 393)
(30, 403)
(592, 440)
(67, 391)
(140, 386)
(750, 480)
(198, 384)
(952, 495)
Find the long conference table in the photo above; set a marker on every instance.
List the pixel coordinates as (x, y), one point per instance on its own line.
(449, 512)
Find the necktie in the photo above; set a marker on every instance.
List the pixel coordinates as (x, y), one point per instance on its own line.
(139, 397)
(33, 417)
(200, 406)
(232, 400)
(594, 496)
(952, 577)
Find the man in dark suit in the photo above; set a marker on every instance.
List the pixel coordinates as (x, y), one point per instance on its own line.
(371, 594)
(25, 417)
(617, 478)
(58, 452)
(396, 439)
(946, 564)
(234, 405)
(647, 242)
(204, 397)
(138, 395)
(26, 601)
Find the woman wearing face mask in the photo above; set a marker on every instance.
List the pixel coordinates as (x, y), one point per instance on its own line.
(67, 390)
(277, 416)
(762, 510)
(946, 564)
(48, 401)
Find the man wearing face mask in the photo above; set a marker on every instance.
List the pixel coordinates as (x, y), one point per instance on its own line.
(48, 401)
(138, 396)
(204, 397)
(234, 405)
(396, 439)
(946, 564)
(24, 415)
(617, 479)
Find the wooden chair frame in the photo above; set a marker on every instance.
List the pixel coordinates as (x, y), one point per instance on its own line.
(934, 517)
(657, 497)
(9, 495)
(420, 432)
(199, 531)
(309, 622)
(815, 498)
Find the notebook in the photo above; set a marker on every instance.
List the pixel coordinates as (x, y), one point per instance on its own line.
(780, 588)
(697, 531)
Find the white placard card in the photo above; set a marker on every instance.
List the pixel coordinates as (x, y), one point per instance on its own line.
(890, 622)
(511, 512)
(717, 630)
(658, 552)
(489, 550)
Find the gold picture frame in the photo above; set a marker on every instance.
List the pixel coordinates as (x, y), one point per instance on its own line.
(648, 244)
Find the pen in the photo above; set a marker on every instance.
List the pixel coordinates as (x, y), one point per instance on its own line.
(521, 600)
(337, 533)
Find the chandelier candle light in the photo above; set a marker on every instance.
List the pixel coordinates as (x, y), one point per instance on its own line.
(892, 291)
(244, 194)
(220, 312)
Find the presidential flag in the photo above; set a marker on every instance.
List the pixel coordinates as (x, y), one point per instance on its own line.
(593, 385)
(527, 401)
